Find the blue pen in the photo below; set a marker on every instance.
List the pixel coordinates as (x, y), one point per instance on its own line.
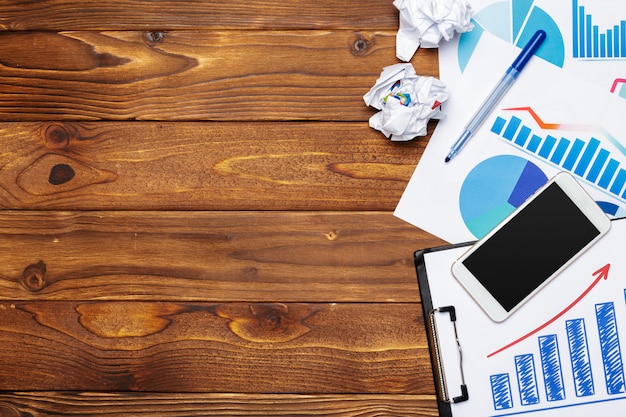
(498, 91)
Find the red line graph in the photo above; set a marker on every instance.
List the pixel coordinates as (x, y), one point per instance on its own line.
(602, 273)
(535, 116)
(571, 127)
(616, 83)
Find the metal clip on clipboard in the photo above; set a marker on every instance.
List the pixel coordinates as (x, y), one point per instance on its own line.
(440, 377)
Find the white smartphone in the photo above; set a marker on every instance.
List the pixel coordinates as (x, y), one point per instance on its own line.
(532, 245)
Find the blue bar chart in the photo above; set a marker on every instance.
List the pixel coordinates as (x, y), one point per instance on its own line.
(539, 375)
(584, 158)
(589, 41)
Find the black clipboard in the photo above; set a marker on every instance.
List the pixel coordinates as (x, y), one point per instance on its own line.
(444, 399)
(608, 252)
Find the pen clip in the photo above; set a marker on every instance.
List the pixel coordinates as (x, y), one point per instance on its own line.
(440, 377)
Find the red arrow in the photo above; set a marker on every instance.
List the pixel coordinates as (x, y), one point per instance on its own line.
(602, 273)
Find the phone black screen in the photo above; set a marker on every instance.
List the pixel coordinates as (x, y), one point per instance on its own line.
(527, 250)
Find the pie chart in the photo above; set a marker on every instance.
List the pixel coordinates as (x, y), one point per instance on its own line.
(494, 189)
(514, 22)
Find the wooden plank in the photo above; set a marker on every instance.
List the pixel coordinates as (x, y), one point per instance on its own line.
(39, 404)
(202, 166)
(209, 256)
(201, 347)
(189, 14)
(191, 75)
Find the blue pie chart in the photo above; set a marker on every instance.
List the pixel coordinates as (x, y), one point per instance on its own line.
(494, 189)
(514, 21)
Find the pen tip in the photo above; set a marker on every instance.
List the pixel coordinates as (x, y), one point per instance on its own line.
(447, 159)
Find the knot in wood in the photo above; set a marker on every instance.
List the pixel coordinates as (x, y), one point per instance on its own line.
(60, 174)
(273, 321)
(58, 136)
(154, 36)
(267, 323)
(271, 316)
(34, 277)
(361, 44)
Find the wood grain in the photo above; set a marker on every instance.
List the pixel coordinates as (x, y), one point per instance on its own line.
(55, 15)
(38, 404)
(216, 256)
(202, 166)
(187, 75)
(195, 217)
(201, 347)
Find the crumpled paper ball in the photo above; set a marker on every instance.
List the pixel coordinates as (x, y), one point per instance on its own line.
(425, 22)
(406, 101)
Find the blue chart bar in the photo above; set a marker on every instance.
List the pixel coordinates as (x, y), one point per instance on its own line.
(588, 42)
(610, 348)
(579, 354)
(573, 154)
(522, 136)
(527, 379)
(534, 143)
(551, 367)
(619, 182)
(585, 159)
(587, 156)
(547, 146)
(559, 153)
(511, 129)
(598, 164)
(501, 390)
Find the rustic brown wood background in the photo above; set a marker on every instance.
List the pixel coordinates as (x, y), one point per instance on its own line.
(196, 217)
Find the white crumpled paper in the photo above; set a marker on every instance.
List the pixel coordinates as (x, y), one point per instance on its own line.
(406, 101)
(425, 22)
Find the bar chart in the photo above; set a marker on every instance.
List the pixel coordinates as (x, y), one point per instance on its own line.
(539, 376)
(589, 41)
(585, 158)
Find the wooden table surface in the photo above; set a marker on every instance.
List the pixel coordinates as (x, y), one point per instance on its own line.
(196, 217)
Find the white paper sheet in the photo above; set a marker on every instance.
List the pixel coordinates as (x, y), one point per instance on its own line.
(584, 37)
(463, 199)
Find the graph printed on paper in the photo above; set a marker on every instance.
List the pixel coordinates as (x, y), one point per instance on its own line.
(590, 40)
(590, 153)
(540, 377)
